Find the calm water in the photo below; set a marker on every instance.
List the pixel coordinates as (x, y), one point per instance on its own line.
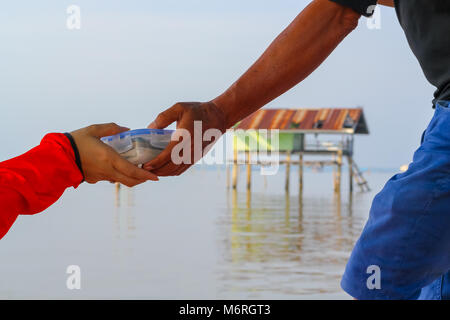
(189, 238)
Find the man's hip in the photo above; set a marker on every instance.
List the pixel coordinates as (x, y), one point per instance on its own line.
(406, 236)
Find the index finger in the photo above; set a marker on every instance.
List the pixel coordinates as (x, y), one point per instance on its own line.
(167, 117)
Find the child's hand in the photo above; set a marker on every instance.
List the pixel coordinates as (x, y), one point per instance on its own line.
(100, 162)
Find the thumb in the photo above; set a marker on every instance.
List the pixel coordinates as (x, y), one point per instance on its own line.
(107, 129)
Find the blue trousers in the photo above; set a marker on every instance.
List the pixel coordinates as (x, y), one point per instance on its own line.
(404, 249)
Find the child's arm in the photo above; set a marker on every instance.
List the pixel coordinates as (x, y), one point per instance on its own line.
(30, 183)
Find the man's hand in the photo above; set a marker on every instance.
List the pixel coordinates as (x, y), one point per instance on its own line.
(100, 162)
(185, 114)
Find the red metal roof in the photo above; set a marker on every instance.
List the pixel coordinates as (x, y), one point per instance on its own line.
(345, 120)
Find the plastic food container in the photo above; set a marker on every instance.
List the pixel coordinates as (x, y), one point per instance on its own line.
(141, 145)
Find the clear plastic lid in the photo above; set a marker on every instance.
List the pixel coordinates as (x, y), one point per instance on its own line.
(137, 132)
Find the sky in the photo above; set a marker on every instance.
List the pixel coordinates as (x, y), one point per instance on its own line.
(132, 59)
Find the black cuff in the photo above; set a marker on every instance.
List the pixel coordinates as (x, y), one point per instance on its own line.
(363, 7)
(75, 151)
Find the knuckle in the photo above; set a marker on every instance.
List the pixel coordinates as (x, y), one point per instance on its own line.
(180, 106)
(90, 180)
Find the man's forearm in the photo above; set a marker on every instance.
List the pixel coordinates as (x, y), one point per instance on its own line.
(292, 56)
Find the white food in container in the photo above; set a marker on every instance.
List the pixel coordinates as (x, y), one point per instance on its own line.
(141, 145)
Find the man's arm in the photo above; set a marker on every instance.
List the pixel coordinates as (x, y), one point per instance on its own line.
(291, 57)
(388, 3)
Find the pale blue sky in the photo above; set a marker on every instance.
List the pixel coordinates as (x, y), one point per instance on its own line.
(132, 59)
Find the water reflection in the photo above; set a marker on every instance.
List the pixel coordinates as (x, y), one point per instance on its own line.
(124, 220)
(286, 245)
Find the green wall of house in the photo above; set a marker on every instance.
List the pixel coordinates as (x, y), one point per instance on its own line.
(254, 141)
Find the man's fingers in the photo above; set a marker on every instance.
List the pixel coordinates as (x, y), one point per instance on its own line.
(168, 169)
(130, 170)
(106, 129)
(174, 171)
(164, 157)
(181, 169)
(167, 117)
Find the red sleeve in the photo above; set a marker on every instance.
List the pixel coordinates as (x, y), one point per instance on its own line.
(30, 183)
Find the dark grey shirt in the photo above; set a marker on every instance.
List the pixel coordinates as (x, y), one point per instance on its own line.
(427, 27)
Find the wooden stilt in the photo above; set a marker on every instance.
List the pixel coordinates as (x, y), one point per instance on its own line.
(117, 194)
(337, 186)
(350, 170)
(234, 206)
(334, 172)
(249, 171)
(235, 168)
(287, 210)
(227, 168)
(288, 170)
(300, 173)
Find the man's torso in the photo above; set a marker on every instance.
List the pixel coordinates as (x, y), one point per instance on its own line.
(427, 27)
